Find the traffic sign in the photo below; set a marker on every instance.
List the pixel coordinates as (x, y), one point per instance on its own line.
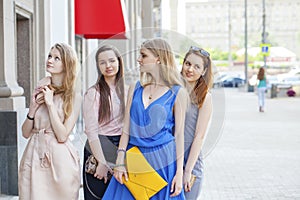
(265, 49)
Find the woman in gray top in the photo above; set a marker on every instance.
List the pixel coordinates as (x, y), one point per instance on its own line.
(197, 70)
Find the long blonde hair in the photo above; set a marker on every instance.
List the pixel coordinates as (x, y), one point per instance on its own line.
(69, 61)
(168, 70)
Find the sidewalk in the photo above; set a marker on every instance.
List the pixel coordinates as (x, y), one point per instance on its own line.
(258, 154)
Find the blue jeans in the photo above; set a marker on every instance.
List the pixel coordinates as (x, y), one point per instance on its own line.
(261, 91)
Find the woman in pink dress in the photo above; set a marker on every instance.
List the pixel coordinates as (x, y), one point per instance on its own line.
(50, 166)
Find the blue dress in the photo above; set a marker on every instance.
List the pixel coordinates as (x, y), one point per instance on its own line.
(151, 130)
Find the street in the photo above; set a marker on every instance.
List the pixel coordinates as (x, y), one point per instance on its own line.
(258, 154)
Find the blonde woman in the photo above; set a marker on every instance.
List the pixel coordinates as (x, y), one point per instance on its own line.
(50, 167)
(154, 122)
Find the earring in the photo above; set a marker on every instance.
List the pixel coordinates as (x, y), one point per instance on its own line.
(158, 62)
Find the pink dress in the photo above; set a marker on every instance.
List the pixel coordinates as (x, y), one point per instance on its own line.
(48, 169)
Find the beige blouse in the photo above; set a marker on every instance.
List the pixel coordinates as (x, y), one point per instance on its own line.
(42, 118)
(90, 114)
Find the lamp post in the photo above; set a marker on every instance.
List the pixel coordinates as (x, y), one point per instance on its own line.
(264, 34)
(246, 44)
(229, 36)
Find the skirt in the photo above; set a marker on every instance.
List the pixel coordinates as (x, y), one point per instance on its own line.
(94, 188)
(48, 169)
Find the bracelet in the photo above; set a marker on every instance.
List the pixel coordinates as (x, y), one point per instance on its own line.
(119, 165)
(30, 118)
(121, 150)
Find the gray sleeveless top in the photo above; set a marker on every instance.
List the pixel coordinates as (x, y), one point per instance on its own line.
(189, 132)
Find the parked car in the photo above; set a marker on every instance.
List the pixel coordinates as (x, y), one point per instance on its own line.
(292, 80)
(233, 82)
(229, 81)
(218, 81)
(222, 78)
(291, 76)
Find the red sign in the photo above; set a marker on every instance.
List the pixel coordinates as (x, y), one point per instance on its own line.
(278, 59)
(101, 19)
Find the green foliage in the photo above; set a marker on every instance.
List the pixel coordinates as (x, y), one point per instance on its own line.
(217, 54)
(258, 57)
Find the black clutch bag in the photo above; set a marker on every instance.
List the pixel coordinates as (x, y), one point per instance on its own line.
(110, 154)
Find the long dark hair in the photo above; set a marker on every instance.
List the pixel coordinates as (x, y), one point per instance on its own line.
(204, 83)
(261, 74)
(104, 111)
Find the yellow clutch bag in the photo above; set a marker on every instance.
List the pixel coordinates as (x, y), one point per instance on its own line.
(143, 181)
(193, 179)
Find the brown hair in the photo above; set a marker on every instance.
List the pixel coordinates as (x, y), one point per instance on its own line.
(104, 111)
(205, 82)
(69, 61)
(261, 74)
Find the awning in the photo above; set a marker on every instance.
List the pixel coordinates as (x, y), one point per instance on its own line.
(101, 19)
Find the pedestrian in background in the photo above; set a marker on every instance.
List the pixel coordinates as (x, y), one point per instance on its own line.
(197, 71)
(50, 166)
(103, 111)
(154, 122)
(261, 88)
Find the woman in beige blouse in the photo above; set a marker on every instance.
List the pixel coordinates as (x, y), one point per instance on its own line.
(50, 167)
(103, 111)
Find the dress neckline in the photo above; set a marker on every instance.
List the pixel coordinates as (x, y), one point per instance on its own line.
(150, 104)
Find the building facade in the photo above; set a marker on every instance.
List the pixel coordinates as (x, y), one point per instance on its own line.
(221, 24)
(28, 28)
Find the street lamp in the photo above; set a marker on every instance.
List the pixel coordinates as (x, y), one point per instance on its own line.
(264, 34)
(246, 48)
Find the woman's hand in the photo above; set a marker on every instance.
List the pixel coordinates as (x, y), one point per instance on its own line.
(176, 186)
(120, 168)
(33, 102)
(187, 181)
(102, 171)
(119, 172)
(48, 95)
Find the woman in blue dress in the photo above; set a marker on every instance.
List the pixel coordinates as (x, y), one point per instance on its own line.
(154, 122)
(197, 70)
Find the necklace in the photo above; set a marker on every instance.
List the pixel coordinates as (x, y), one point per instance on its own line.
(150, 96)
(156, 88)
